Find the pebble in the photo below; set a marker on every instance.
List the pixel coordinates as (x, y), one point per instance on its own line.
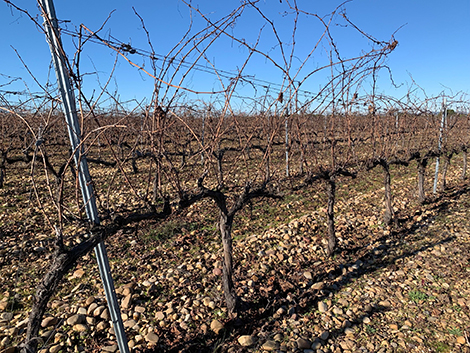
(6, 316)
(101, 326)
(79, 328)
(90, 320)
(216, 326)
(159, 315)
(98, 310)
(206, 301)
(139, 309)
(322, 307)
(385, 303)
(337, 311)
(152, 337)
(324, 335)
(347, 344)
(303, 343)
(316, 345)
(343, 302)
(60, 337)
(49, 321)
(127, 301)
(55, 348)
(129, 323)
(47, 334)
(105, 315)
(56, 304)
(91, 309)
(89, 301)
(318, 285)
(76, 319)
(246, 341)
(270, 345)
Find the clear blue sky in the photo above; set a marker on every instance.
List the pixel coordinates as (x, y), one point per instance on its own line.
(433, 37)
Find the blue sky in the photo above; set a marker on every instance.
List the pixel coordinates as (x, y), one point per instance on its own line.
(433, 48)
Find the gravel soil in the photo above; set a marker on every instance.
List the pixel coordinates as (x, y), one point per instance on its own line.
(402, 288)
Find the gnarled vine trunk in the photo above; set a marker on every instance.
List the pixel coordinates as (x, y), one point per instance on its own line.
(2, 176)
(3, 160)
(44, 292)
(422, 163)
(61, 265)
(225, 226)
(444, 170)
(464, 167)
(388, 215)
(331, 192)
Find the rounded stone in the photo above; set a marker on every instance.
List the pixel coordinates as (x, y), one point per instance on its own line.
(216, 326)
(76, 319)
(89, 301)
(303, 343)
(55, 348)
(80, 328)
(247, 340)
(324, 336)
(322, 307)
(152, 338)
(270, 345)
(49, 321)
(98, 310)
(91, 309)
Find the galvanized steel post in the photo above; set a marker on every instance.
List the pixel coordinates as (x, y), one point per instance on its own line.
(439, 143)
(68, 104)
(286, 123)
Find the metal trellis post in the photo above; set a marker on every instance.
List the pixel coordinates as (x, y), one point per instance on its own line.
(69, 107)
(286, 112)
(439, 143)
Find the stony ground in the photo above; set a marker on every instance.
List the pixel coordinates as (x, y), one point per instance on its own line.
(403, 288)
